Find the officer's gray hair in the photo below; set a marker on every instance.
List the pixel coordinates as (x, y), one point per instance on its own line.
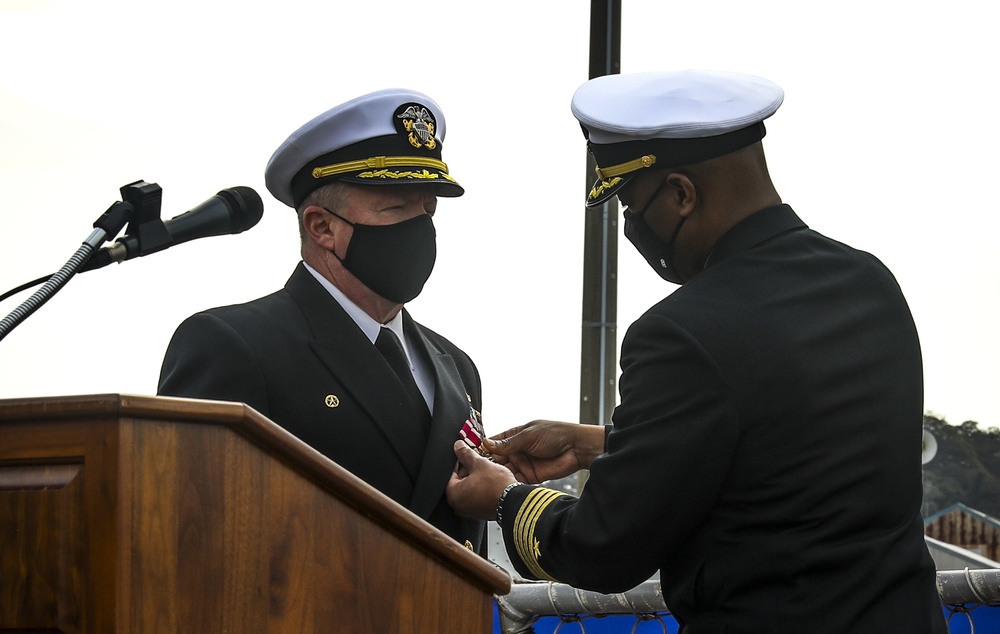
(330, 196)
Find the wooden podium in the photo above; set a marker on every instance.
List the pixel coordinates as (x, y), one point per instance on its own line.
(150, 514)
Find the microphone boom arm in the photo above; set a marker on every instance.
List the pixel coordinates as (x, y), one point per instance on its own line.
(232, 210)
(106, 227)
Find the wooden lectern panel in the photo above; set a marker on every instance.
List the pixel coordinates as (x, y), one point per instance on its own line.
(52, 494)
(52, 543)
(142, 514)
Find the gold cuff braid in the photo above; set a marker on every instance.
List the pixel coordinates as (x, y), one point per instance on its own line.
(529, 548)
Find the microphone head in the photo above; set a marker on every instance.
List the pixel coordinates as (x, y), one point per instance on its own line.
(232, 210)
(245, 207)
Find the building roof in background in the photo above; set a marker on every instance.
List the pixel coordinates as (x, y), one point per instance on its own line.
(965, 509)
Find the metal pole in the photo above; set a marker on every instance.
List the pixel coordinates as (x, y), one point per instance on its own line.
(598, 348)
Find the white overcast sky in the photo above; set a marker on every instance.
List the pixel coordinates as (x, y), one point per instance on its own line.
(886, 140)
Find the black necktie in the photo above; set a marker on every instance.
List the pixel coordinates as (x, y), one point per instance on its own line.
(390, 347)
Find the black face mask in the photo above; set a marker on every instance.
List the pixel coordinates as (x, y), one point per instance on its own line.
(393, 260)
(659, 254)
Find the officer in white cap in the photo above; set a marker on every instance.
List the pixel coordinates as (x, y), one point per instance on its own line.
(334, 357)
(765, 456)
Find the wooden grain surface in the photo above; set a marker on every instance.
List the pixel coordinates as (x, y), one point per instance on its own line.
(146, 514)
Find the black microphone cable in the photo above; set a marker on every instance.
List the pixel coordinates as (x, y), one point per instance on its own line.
(24, 287)
(106, 227)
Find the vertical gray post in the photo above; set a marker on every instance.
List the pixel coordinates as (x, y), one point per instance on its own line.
(598, 348)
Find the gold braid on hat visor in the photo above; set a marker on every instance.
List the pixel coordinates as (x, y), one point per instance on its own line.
(608, 176)
(379, 162)
(604, 173)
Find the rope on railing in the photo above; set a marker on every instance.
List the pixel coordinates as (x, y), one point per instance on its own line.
(963, 591)
(960, 591)
(528, 601)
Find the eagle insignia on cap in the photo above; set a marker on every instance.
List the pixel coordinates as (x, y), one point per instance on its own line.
(418, 123)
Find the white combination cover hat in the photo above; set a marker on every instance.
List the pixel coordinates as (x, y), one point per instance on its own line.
(388, 137)
(668, 119)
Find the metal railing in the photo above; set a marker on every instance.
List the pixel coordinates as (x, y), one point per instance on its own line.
(961, 591)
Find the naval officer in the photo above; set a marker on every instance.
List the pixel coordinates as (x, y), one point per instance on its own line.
(334, 357)
(765, 455)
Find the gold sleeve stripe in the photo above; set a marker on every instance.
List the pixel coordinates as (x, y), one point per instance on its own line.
(528, 547)
(624, 168)
(378, 163)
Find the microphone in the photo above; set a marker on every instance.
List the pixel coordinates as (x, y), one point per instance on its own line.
(232, 210)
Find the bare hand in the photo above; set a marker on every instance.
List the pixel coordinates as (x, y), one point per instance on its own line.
(546, 450)
(476, 485)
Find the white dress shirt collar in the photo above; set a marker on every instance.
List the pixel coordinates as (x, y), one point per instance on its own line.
(365, 322)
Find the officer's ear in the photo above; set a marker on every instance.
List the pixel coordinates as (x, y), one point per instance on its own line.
(317, 224)
(681, 194)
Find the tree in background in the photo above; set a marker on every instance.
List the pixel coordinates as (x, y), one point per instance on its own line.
(966, 467)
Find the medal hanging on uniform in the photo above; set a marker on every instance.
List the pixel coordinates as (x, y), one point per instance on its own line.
(473, 432)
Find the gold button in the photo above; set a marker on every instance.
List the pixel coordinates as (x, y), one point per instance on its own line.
(468, 545)
(332, 400)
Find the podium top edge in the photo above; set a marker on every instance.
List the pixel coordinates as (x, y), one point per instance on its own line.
(120, 404)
